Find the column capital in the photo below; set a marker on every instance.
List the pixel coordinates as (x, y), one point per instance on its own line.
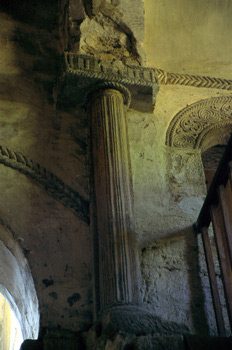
(107, 85)
(84, 74)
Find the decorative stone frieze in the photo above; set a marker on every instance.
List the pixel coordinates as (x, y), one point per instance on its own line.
(165, 78)
(195, 125)
(83, 73)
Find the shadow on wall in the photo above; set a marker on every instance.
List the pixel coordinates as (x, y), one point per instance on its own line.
(31, 43)
(41, 13)
(53, 239)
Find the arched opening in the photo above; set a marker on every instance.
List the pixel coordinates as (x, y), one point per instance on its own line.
(17, 290)
(202, 130)
(10, 331)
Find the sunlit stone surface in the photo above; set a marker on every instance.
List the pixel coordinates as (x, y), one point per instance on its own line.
(10, 332)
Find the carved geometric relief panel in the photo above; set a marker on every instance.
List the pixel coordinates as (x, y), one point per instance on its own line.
(204, 119)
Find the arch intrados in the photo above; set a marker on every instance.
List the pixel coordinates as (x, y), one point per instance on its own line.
(17, 285)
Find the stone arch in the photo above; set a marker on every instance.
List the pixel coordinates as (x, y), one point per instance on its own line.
(17, 285)
(201, 125)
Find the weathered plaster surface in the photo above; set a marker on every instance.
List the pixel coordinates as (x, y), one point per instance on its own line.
(169, 189)
(190, 37)
(169, 184)
(55, 241)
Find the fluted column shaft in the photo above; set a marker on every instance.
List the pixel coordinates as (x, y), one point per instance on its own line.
(118, 271)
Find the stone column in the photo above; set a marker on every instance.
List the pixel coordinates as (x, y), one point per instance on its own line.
(118, 261)
(118, 302)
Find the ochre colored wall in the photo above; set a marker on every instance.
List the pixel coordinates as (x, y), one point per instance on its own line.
(185, 36)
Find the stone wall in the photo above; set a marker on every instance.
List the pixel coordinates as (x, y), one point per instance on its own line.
(45, 168)
(44, 177)
(169, 190)
(106, 30)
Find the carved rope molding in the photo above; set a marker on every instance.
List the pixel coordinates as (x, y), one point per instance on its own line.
(192, 80)
(89, 67)
(52, 184)
(190, 127)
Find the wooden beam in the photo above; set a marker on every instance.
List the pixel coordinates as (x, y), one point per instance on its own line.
(213, 282)
(219, 231)
(220, 178)
(226, 204)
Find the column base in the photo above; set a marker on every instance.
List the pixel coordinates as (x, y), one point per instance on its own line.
(135, 320)
(134, 328)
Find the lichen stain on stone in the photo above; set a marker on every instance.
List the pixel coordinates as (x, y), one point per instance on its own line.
(73, 299)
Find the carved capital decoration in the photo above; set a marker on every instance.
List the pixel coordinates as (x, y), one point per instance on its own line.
(83, 73)
(200, 121)
(112, 86)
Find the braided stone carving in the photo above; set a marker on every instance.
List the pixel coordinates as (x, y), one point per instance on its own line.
(52, 184)
(192, 80)
(90, 67)
(191, 125)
